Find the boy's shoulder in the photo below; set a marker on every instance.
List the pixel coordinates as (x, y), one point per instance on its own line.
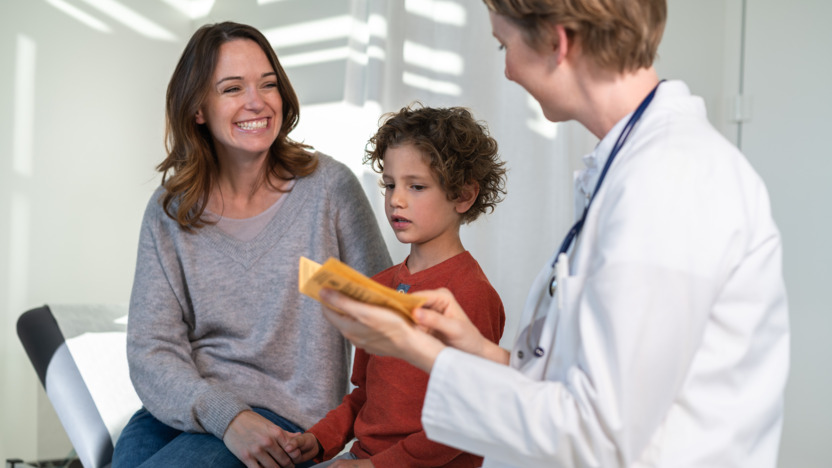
(470, 276)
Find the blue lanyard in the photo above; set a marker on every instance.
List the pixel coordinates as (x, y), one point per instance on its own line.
(622, 138)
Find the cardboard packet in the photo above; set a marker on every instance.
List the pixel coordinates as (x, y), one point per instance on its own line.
(337, 275)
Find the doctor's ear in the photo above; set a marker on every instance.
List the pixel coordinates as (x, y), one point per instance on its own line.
(560, 42)
(200, 119)
(467, 197)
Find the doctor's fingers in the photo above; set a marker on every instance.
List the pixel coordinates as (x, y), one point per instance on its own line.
(376, 329)
(452, 329)
(349, 326)
(444, 318)
(371, 316)
(441, 300)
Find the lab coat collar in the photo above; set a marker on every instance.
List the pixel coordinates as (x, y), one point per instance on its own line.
(587, 178)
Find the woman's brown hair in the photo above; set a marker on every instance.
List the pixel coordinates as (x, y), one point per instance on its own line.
(620, 35)
(189, 170)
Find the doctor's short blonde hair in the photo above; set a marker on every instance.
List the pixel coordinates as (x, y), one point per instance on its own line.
(620, 35)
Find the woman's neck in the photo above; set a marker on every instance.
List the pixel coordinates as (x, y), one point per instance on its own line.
(608, 97)
(243, 188)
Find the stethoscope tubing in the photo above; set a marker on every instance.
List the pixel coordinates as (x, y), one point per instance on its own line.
(561, 269)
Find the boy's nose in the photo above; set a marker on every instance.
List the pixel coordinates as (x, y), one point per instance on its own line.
(397, 200)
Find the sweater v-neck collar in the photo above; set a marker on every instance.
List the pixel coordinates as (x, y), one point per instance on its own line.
(246, 253)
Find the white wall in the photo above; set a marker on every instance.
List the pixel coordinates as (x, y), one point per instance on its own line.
(81, 119)
(81, 116)
(788, 70)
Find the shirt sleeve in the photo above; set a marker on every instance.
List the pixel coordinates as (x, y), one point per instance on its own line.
(336, 429)
(158, 349)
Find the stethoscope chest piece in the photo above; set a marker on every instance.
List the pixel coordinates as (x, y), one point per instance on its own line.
(553, 286)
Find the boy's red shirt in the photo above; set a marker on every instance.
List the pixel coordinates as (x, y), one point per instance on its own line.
(384, 410)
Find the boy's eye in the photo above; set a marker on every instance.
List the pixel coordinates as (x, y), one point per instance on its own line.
(418, 188)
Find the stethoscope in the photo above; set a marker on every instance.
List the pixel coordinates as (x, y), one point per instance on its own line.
(560, 264)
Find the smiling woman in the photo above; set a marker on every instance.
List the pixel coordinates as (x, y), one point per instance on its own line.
(228, 83)
(243, 112)
(224, 353)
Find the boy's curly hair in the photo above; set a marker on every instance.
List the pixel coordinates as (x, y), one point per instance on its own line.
(458, 149)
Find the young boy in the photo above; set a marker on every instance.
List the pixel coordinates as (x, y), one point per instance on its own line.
(439, 169)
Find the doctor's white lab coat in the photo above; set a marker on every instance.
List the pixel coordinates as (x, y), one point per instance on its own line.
(672, 345)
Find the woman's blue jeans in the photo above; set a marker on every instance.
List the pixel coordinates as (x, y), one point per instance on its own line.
(148, 442)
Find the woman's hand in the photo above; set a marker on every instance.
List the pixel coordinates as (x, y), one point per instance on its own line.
(380, 331)
(257, 442)
(303, 447)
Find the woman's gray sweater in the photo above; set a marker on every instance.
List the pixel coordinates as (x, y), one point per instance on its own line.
(217, 326)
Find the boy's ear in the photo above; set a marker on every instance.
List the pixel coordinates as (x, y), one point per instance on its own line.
(467, 197)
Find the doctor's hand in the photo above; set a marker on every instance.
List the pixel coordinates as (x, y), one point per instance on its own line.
(443, 317)
(257, 442)
(380, 331)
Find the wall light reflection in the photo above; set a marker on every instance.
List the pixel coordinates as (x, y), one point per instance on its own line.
(80, 15)
(132, 19)
(432, 59)
(310, 31)
(436, 86)
(19, 227)
(318, 56)
(377, 25)
(24, 105)
(331, 55)
(439, 11)
(338, 27)
(193, 9)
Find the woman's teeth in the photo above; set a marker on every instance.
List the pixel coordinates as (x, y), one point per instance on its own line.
(253, 124)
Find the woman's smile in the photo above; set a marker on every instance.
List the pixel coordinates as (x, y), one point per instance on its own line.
(253, 124)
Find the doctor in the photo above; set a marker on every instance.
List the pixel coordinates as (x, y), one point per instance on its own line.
(657, 335)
